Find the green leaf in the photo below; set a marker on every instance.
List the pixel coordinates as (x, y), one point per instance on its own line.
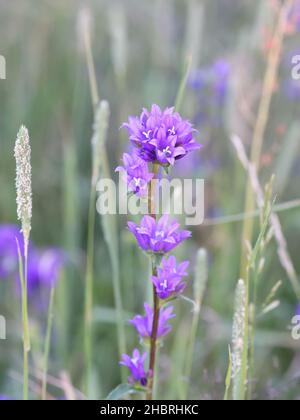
(120, 391)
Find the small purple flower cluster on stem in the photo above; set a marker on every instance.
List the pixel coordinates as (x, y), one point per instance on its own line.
(160, 138)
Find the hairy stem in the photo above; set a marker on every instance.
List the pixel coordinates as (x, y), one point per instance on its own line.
(25, 322)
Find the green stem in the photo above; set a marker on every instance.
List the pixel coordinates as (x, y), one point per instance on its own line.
(89, 283)
(25, 322)
(156, 309)
(47, 343)
(190, 351)
(183, 83)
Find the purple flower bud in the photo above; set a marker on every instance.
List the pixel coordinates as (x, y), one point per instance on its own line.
(158, 236)
(136, 366)
(9, 235)
(143, 324)
(161, 136)
(136, 174)
(168, 282)
(44, 268)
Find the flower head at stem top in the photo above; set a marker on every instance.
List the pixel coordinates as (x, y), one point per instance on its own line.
(144, 324)
(135, 364)
(23, 182)
(136, 174)
(161, 136)
(168, 282)
(160, 236)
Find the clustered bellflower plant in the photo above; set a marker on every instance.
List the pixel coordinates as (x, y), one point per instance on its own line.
(159, 139)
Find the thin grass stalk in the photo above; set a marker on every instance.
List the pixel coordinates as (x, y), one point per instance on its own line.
(261, 124)
(282, 250)
(228, 377)
(236, 218)
(86, 35)
(48, 342)
(25, 321)
(22, 153)
(89, 284)
(200, 283)
(85, 32)
(183, 83)
(109, 225)
(112, 243)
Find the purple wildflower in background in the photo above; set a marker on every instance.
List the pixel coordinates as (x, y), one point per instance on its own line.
(158, 236)
(136, 174)
(143, 324)
(290, 87)
(9, 235)
(221, 71)
(211, 84)
(4, 398)
(298, 310)
(294, 15)
(168, 282)
(44, 268)
(161, 136)
(136, 366)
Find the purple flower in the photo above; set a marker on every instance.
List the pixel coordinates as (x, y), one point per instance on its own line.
(161, 136)
(294, 15)
(9, 235)
(212, 86)
(136, 174)
(4, 398)
(44, 268)
(143, 324)
(158, 236)
(136, 366)
(298, 310)
(168, 281)
(221, 71)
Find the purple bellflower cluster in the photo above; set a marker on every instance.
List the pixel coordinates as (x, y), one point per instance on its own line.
(159, 139)
(161, 136)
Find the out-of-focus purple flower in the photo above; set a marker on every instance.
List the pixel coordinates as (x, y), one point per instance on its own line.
(298, 310)
(294, 15)
(143, 324)
(290, 87)
(9, 235)
(136, 174)
(158, 236)
(161, 136)
(211, 83)
(4, 398)
(44, 268)
(136, 366)
(168, 282)
(221, 70)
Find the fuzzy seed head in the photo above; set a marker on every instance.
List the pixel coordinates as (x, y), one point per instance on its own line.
(238, 328)
(23, 179)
